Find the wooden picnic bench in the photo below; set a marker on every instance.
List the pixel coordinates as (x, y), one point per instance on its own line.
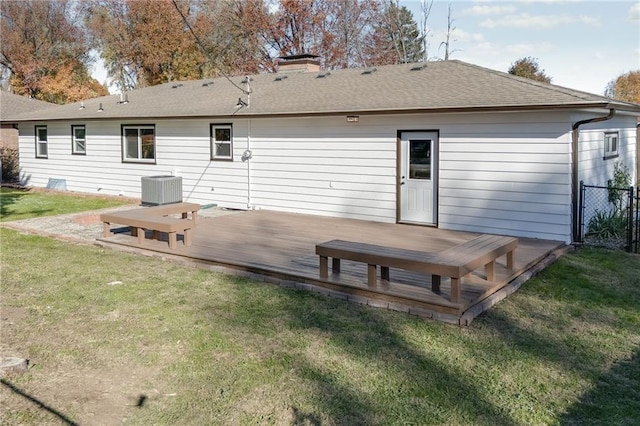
(455, 262)
(157, 219)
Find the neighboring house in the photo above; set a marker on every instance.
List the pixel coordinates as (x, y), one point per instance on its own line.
(10, 106)
(445, 144)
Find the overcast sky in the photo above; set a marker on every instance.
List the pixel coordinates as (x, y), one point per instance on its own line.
(579, 44)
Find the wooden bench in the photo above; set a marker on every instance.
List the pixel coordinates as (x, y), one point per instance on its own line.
(455, 262)
(158, 219)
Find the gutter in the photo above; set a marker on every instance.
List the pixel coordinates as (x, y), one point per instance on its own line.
(575, 179)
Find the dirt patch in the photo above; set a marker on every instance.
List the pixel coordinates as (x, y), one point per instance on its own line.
(12, 315)
(84, 396)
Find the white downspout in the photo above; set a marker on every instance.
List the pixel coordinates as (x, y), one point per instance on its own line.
(247, 157)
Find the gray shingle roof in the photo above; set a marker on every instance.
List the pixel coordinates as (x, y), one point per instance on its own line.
(12, 105)
(433, 86)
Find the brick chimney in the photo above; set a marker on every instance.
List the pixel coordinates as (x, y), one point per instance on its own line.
(299, 63)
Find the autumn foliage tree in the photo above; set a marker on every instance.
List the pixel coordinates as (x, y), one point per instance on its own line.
(43, 53)
(47, 44)
(145, 42)
(528, 68)
(625, 88)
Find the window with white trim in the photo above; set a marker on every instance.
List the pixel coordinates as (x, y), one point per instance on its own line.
(78, 140)
(139, 144)
(42, 143)
(221, 142)
(611, 145)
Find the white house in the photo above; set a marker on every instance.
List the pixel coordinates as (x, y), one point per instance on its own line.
(445, 144)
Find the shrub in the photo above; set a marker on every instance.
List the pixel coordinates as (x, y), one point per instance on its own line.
(10, 164)
(612, 224)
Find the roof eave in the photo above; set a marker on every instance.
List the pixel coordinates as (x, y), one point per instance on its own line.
(632, 108)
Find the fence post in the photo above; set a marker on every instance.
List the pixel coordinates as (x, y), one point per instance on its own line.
(581, 213)
(630, 221)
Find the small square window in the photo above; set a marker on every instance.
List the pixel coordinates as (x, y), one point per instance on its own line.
(221, 142)
(610, 145)
(42, 143)
(78, 140)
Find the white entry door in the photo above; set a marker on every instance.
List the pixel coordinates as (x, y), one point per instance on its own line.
(418, 192)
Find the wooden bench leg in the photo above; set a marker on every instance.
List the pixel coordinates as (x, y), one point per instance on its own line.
(173, 238)
(455, 290)
(335, 265)
(435, 283)
(372, 275)
(187, 237)
(106, 229)
(510, 260)
(140, 233)
(134, 231)
(324, 267)
(490, 270)
(156, 235)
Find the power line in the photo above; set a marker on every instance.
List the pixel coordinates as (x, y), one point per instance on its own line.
(184, 19)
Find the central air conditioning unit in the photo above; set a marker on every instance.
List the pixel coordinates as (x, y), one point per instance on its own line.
(158, 190)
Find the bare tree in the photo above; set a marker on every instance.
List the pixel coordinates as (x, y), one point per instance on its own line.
(425, 9)
(447, 43)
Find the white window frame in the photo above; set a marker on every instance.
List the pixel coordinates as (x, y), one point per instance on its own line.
(42, 146)
(611, 144)
(76, 149)
(124, 146)
(214, 142)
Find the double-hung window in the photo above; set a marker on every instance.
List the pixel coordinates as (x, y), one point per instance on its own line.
(139, 144)
(221, 142)
(78, 140)
(42, 143)
(610, 145)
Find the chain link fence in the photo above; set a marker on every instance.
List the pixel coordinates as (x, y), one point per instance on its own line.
(609, 217)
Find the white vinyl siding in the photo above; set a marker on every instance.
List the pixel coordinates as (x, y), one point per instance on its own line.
(594, 170)
(499, 173)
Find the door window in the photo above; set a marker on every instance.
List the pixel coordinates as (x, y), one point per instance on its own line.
(420, 159)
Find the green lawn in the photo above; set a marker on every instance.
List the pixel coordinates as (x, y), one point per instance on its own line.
(114, 337)
(16, 204)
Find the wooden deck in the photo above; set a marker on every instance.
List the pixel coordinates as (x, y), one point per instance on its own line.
(282, 246)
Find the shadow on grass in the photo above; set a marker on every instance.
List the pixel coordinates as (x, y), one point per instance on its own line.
(589, 302)
(37, 402)
(420, 388)
(615, 400)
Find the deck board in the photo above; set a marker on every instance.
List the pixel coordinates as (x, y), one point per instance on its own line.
(283, 245)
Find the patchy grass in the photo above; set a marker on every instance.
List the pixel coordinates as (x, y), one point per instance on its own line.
(17, 204)
(113, 336)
